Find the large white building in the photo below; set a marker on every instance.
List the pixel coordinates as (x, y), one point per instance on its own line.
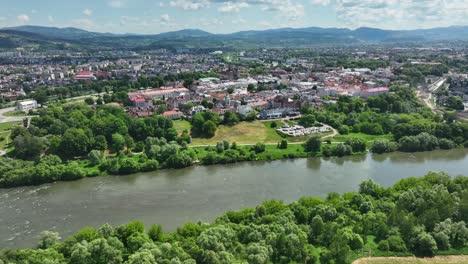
(27, 105)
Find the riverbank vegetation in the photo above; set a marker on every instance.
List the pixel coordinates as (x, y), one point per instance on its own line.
(73, 140)
(420, 217)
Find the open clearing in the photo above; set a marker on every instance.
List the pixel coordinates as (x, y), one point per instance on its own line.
(242, 133)
(414, 260)
(246, 133)
(5, 132)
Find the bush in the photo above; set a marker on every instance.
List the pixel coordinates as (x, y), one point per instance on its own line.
(357, 144)
(259, 148)
(343, 130)
(128, 165)
(396, 244)
(327, 151)
(342, 150)
(465, 144)
(150, 165)
(383, 245)
(446, 143)
(283, 144)
(274, 124)
(383, 146)
(313, 143)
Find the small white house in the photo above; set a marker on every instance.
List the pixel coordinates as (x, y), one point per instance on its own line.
(27, 105)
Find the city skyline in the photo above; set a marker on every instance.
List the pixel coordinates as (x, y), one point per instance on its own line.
(220, 16)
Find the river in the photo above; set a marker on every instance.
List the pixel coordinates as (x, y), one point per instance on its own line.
(174, 197)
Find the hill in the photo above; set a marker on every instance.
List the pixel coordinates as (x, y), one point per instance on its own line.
(194, 38)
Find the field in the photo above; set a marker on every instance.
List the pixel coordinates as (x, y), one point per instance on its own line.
(413, 260)
(367, 138)
(181, 125)
(5, 132)
(246, 133)
(15, 113)
(271, 152)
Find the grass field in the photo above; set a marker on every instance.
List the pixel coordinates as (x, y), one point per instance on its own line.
(247, 133)
(365, 137)
(15, 113)
(271, 152)
(414, 260)
(242, 133)
(181, 125)
(5, 132)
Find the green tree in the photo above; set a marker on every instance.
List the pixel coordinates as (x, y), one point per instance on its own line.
(313, 143)
(118, 142)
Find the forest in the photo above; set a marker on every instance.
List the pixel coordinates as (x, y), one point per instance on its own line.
(417, 216)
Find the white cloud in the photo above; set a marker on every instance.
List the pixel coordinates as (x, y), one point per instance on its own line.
(34, 11)
(83, 23)
(23, 18)
(232, 7)
(116, 3)
(402, 14)
(165, 18)
(238, 21)
(51, 19)
(87, 12)
(190, 4)
(320, 2)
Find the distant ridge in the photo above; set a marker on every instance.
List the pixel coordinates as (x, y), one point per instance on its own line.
(196, 38)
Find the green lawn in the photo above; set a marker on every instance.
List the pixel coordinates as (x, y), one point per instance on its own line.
(271, 152)
(5, 132)
(365, 137)
(181, 125)
(249, 133)
(242, 133)
(15, 113)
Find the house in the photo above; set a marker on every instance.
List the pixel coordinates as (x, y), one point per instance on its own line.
(141, 101)
(85, 76)
(244, 109)
(374, 91)
(174, 114)
(161, 93)
(197, 109)
(27, 105)
(271, 114)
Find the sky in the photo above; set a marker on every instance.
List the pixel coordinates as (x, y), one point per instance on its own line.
(226, 16)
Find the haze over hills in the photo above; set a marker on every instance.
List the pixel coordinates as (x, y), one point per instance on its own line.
(45, 37)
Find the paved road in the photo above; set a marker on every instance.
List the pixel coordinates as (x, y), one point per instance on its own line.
(6, 119)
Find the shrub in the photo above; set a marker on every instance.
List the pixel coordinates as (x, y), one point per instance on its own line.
(259, 148)
(283, 144)
(446, 143)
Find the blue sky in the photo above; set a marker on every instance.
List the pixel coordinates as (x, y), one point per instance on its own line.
(224, 16)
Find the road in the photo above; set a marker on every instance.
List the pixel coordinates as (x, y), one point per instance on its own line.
(426, 97)
(6, 119)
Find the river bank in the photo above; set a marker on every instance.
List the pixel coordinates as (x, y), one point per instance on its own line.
(174, 197)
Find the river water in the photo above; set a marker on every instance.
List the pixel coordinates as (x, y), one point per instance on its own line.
(174, 197)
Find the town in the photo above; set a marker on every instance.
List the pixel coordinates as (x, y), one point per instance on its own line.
(268, 82)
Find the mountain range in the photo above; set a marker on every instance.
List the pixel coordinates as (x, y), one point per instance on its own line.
(38, 37)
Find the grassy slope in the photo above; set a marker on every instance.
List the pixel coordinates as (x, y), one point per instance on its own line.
(5, 132)
(181, 125)
(365, 137)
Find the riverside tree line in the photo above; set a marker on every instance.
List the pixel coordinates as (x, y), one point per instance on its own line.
(417, 216)
(72, 141)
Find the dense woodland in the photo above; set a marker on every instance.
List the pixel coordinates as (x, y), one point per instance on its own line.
(421, 216)
(73, 140)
